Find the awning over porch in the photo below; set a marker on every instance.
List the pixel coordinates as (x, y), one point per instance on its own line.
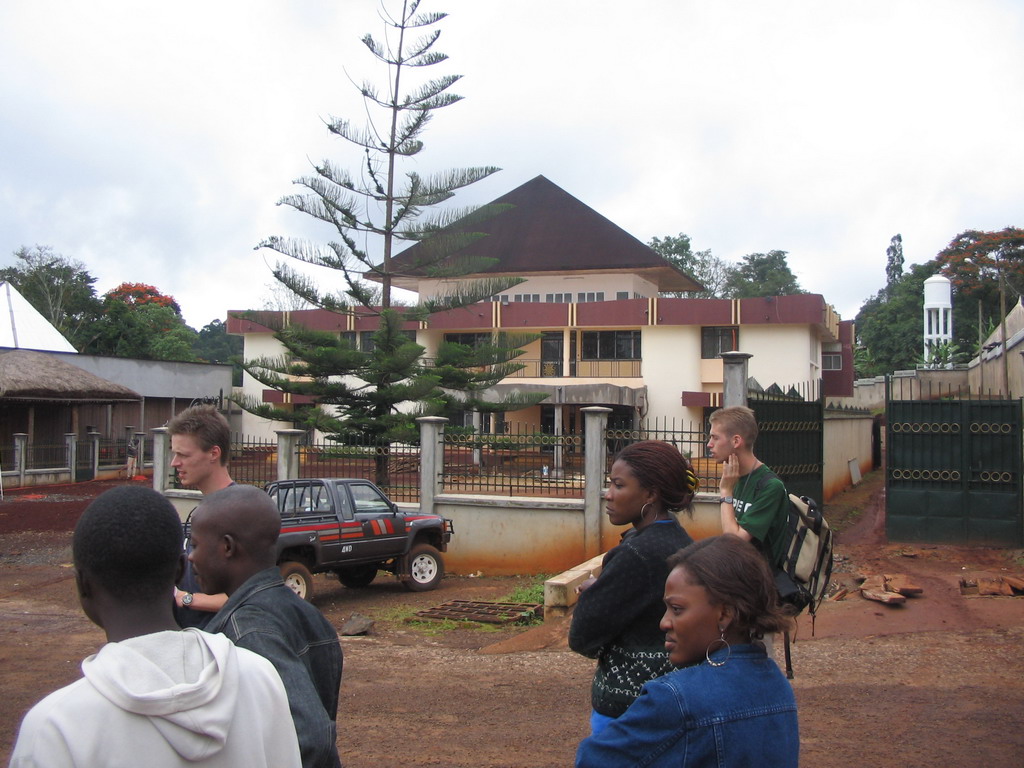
(578, 394)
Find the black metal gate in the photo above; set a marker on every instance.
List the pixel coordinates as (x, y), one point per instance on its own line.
(954, 472)
(791, 436)
(83, 469)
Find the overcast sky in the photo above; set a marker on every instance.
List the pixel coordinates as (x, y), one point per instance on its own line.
(152, 141)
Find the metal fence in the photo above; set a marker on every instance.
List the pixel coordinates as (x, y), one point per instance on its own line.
(40, 456)
(253, 461)
(954, 468)
(791, 433)
(514, 464)
(689, 438)
(395, 467)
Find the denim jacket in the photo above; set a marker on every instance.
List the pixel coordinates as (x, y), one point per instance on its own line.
(741, 714)
(268, 618)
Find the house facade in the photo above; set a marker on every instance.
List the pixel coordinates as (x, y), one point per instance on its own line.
(605, 333)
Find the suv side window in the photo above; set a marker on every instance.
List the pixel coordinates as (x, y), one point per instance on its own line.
(366, 498)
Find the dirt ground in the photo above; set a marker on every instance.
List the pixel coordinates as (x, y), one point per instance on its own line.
(939, 680)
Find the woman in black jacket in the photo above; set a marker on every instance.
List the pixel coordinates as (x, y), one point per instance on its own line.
(616, 618)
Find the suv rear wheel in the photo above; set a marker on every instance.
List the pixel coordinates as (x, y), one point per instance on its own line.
(426, 568)
(297, 578)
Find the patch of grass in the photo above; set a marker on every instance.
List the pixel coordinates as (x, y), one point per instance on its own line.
(395, 613)
(531, 592)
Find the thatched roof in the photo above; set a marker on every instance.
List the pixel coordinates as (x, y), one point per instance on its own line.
(29, 375)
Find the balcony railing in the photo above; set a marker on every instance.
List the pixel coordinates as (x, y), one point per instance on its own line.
(581, 369)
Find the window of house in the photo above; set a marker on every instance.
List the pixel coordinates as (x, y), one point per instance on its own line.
(611, 345)
(350, 337)
(619, 295)
(559, 298)
(716, 339)
(473, 340)
(589, 296)
(831, 362)
(528, 297)
(366, 343)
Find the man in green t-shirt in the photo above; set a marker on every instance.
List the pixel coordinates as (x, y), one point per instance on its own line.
(754, 504)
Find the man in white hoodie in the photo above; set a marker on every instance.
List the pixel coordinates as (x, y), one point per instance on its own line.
(154, 695)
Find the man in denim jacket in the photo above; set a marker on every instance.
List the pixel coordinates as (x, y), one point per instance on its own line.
(234, 545)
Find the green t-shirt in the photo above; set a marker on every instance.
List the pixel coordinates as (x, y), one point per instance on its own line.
(762, 510)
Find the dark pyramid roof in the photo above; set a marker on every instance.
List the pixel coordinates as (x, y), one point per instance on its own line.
(549, 230)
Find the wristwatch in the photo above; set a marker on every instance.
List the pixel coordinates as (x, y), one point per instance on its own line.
(726, 500)
(187, 599)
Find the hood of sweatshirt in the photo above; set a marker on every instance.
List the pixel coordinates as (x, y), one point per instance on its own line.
(185, 682)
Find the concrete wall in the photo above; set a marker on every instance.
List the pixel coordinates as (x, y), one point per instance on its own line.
(158, 378)
(505, 536)
(847, 439)
(782, 354)
(258, 345)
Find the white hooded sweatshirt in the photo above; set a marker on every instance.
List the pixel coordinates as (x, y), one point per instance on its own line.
(165, 699)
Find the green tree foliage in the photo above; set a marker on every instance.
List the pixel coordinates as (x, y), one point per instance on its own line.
(702, 266)
(889, 324)
(140, 322)
(894, 260)
(762, 274)
(376, 393)
(213, 344)
(975, 262)
(61, 289)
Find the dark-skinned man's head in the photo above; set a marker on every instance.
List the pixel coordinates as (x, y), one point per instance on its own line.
(234, 535)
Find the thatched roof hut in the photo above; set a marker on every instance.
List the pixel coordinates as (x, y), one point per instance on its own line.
(26, 375)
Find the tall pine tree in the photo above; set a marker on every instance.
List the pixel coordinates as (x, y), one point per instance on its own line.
(376, 390)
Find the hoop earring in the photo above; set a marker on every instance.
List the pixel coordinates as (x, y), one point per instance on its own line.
(643, 510)
(722, 641)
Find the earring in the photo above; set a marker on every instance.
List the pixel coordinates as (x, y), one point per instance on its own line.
(643, 510)
(719, 642)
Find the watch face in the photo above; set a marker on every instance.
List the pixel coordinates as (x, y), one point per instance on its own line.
(187, 599)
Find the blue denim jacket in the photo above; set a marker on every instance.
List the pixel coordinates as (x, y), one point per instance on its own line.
(739, 715)
(268, 618)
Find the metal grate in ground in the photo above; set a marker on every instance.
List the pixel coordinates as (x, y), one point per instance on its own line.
(488, 613)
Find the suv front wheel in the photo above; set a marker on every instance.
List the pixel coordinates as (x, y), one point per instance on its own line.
(297, 578)
(426, 568)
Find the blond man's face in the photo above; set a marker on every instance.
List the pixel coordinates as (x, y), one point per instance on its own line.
(721, 445)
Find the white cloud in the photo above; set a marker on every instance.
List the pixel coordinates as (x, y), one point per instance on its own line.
(152, 142)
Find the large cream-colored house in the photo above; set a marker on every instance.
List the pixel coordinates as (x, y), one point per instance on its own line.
(606, 337)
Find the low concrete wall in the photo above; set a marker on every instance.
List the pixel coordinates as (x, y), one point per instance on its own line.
(847, 440)
(184, 501)
(504, 536)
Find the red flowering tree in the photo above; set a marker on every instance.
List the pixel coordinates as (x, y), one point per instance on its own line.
(139, 294)
(141, 322)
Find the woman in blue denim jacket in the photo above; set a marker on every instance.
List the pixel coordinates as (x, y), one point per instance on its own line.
(728, 705)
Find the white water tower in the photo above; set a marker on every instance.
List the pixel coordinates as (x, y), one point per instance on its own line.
(938, 313)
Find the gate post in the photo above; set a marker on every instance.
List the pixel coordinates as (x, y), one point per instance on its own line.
(595, 422)
(161, 458)
(71, 441)
(431, 459)
(735, 378)
(21, 455)
(288, 453)
(94, 439)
